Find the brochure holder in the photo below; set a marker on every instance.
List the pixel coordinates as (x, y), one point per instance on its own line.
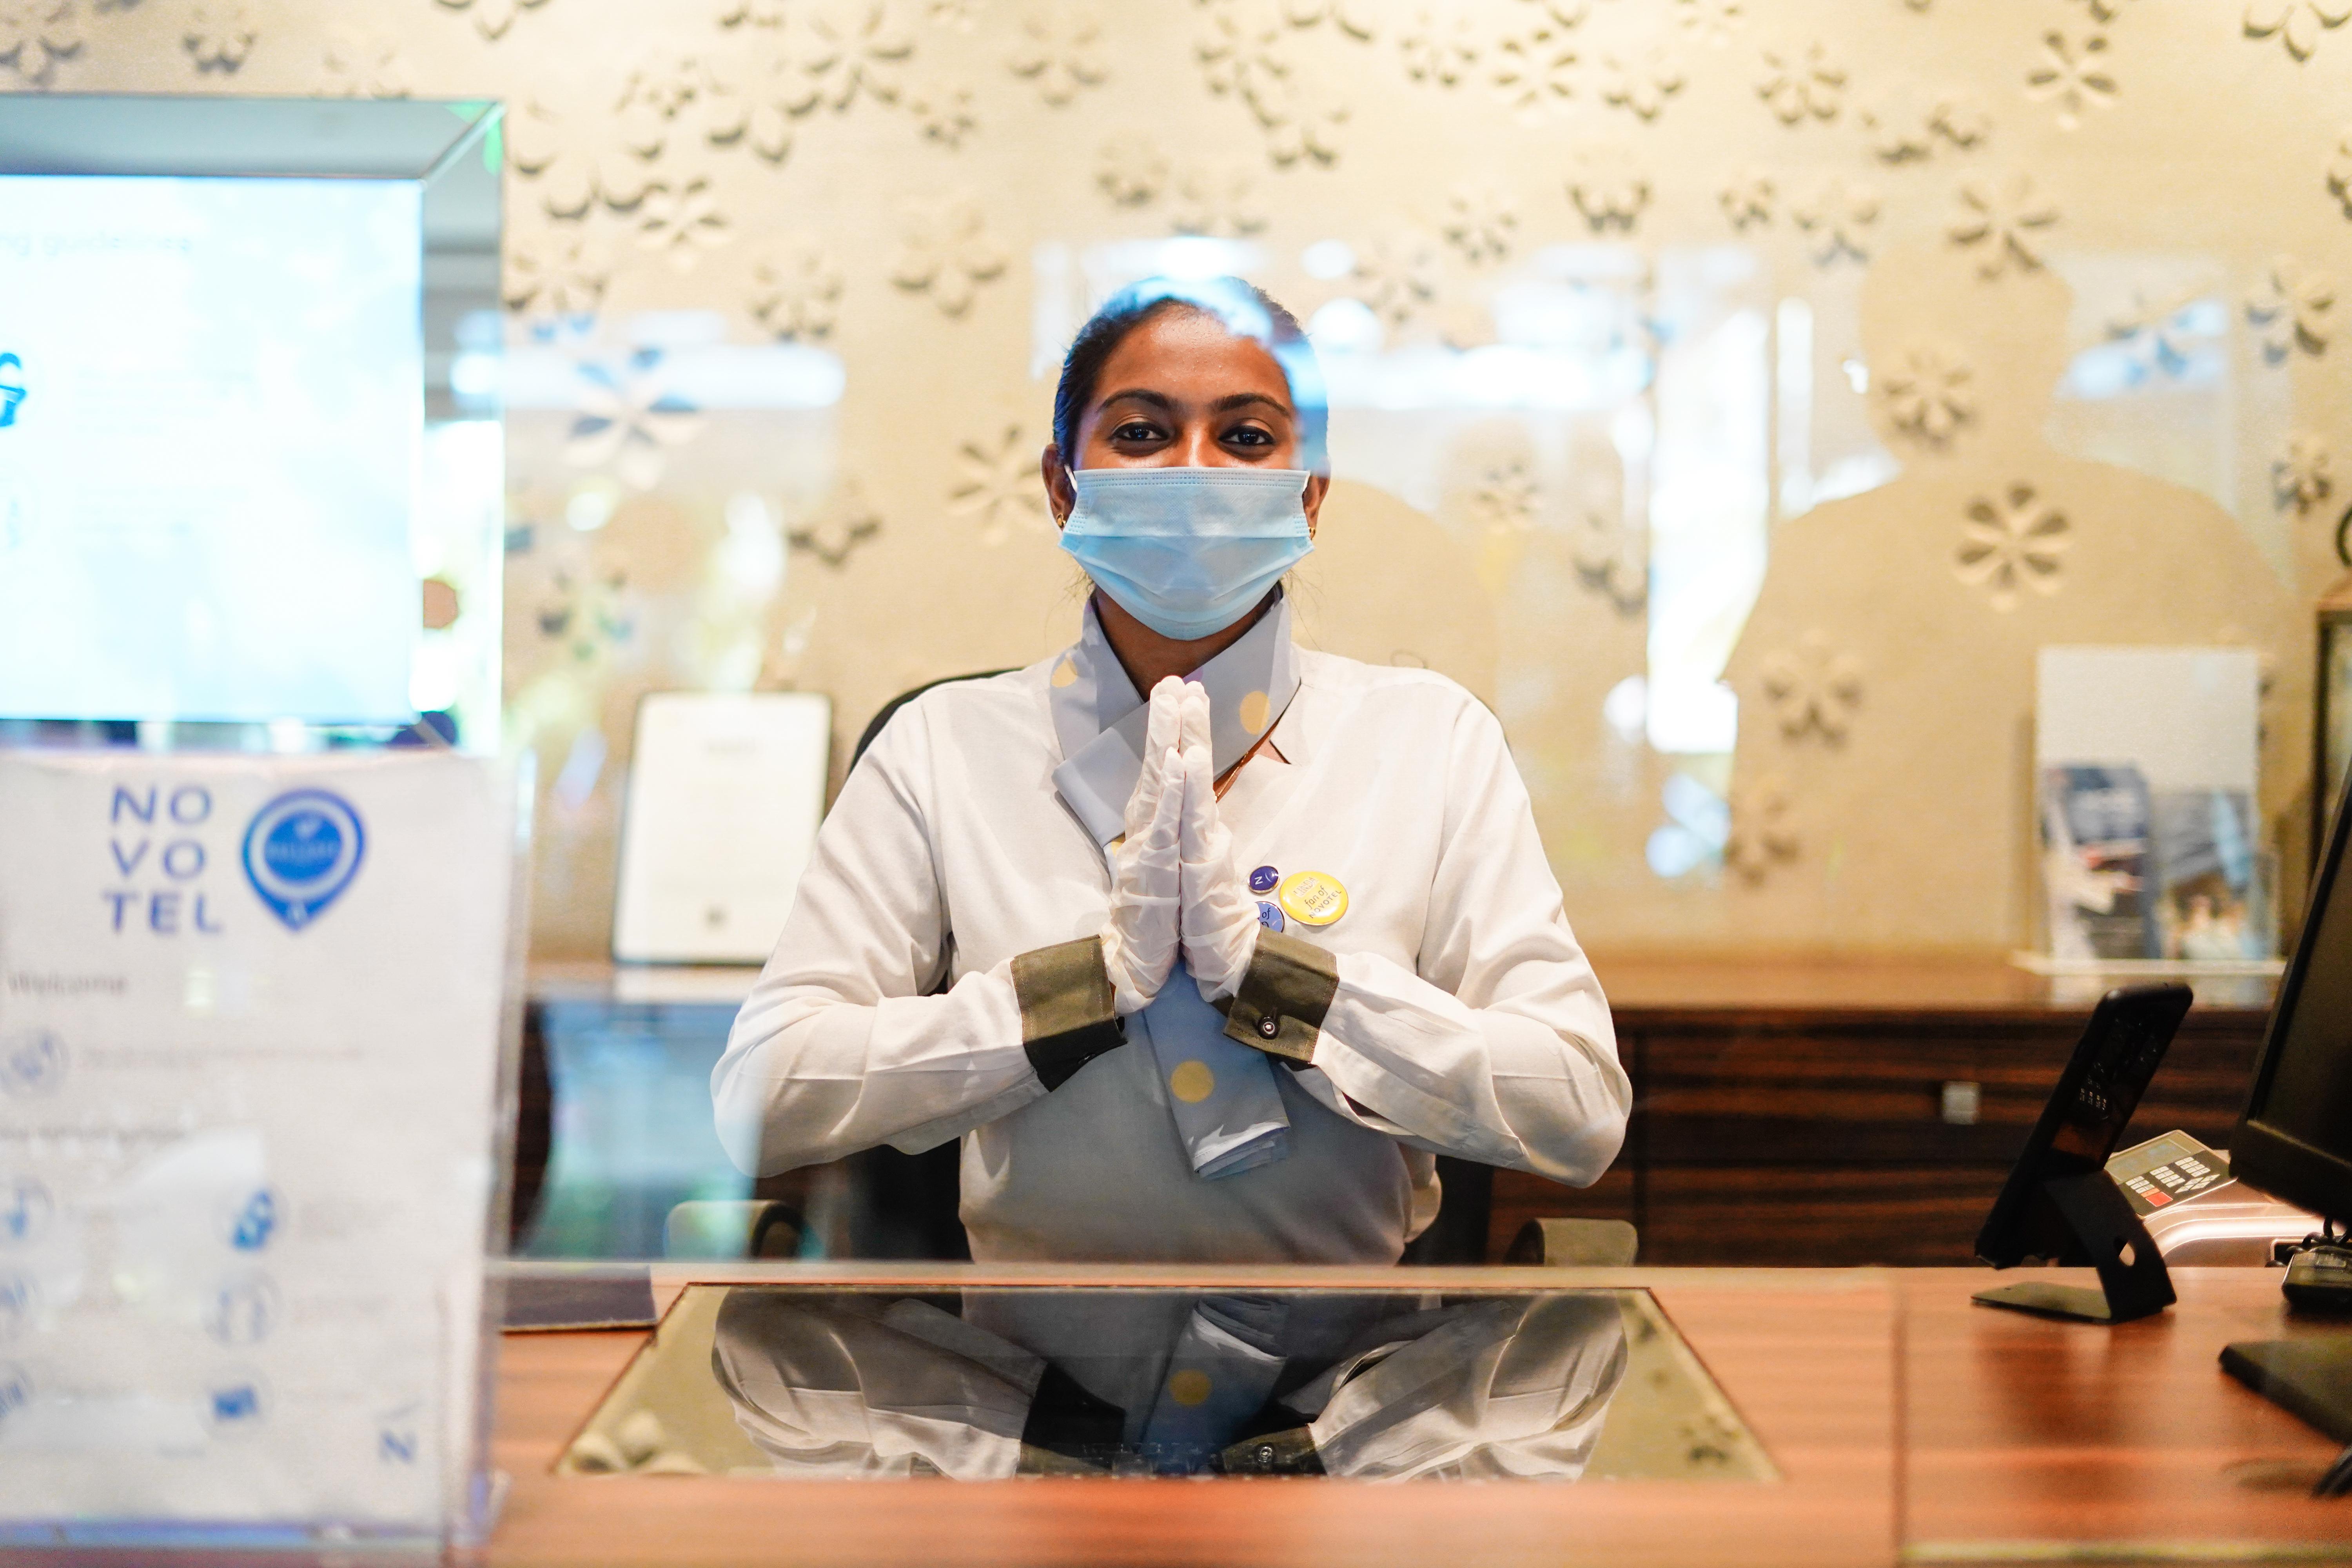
(259, 1030)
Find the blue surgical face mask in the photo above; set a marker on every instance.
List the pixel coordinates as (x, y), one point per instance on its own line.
(1188, 552)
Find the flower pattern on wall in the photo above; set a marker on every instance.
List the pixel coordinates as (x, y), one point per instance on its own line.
(492, 17)
(554, 272)
(997, 484)
(2303, 473)
(681, 223)
(1925, 392)
(1813, 687)
(1535, 67)
(1359, 19)
(942, 108)
(848, 49)
(946, 248)
(573, 167)
(2103, 10)
(2012, 542)
(1759, 837)
(628, 418)
(2158, 328)
(1639, 81)
(2001, 221)
(1059, 51)
(35, 35)
(1130, 169)
(1800, 84)
(835, 529)
(1215, 197)
(1611, 557)
(1441, 45)
(1750, 198)
(1396, 275)
(219, 34)
(2296, 22)
(1838, 217)
(2072, 73)
(1608, 187)
(2339, 171)
(679, 92)
(1711, 21)
(796, 289)
(1503, 497)
(357, 64)
(1480, 222)
(1907, 124)
(2293, 309)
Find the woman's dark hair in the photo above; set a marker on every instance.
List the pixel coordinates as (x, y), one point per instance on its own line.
(1246, 311)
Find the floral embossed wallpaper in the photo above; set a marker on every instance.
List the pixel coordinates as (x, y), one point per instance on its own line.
(1734, 393)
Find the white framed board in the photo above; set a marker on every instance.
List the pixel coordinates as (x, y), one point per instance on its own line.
(725, 792)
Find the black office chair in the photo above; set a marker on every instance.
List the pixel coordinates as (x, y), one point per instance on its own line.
(908, 1202)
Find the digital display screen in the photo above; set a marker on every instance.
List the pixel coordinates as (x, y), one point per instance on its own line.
(211, 410)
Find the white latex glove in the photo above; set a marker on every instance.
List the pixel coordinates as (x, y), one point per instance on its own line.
(1220, 918)
(1140, 933)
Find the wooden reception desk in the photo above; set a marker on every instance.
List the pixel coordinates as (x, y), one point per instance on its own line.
(1906, 1424)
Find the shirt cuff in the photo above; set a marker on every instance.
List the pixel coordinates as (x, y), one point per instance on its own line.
(1285, 994)
(1069, 1014)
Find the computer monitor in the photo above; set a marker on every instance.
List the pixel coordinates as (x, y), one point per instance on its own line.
(2295, 1138)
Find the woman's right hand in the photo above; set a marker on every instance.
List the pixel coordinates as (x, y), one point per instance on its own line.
(1141, 936)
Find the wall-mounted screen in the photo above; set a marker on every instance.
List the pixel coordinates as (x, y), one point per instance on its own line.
(211, 405)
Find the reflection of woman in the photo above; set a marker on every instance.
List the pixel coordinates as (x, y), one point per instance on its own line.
(1209, 976)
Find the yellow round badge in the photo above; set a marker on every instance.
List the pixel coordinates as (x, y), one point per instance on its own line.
(1313, 897)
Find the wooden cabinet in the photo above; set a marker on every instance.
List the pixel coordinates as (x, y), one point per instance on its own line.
(1797, 1115)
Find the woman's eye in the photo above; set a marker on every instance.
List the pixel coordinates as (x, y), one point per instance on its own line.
(1135, 430)
(1249, 436)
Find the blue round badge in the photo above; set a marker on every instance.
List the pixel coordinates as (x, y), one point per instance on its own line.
(1264, 879)
(302, 852)
(1269, 916)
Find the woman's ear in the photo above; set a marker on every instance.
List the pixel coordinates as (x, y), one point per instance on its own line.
(1061, 497)
(1312, 500)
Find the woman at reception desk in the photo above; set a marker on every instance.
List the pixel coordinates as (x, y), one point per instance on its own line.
(1205, 944)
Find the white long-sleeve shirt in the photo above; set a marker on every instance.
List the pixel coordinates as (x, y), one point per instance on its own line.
(1466, 1019)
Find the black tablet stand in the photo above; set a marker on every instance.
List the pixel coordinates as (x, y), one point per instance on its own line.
(2107, 1235)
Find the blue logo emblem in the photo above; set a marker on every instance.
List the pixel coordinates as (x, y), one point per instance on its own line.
(12, 388)
(32, 1063)
(254, 1223)
(1269, 916)
(1263, 879)
(302, 852)
(25, 1211)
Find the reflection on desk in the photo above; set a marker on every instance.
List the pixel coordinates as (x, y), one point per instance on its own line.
(987, 1384)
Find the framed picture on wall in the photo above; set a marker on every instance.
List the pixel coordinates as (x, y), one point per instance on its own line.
(725, 792)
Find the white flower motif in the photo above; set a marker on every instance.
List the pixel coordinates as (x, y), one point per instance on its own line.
(2293, 309)
(751, 13)
(571, 165)
(848, 49)
(1060, 49)
(2073, 73)
(2002, 222)
(677, 222)
(2296, 23)
(492, 17)
(1481, 222)
(678, 90)
(796, 289)
(554, 272)
(1838, 218)
(1131, 169)
(363, 65)
(839, 524)
(1242, 55)
(1900, 124)
(1608, 187)
(2103, 10)
(1357, 18)
(1611, 557)
(1960, 119)
(1535, 67)
(1504, 498)
(1215, 198)
(2013, 541)
(629, 417)
(2303, 473)
(1925, 392)
(1396, 275)
(1440, 46)
(1813, 687)
(219, 34)
(943, 108)
(996, 483)
(1713, 21)
(2339, 171)
(778, 93)
(1760, 837)
(1750, 198)
(1799, 84)
(1306, 125)
(2159, 329)
(945, 247)
(1642, 81)
(35, 35)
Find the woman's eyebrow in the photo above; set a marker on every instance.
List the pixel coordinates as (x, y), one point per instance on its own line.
(1243, 399)
(1223, 405)
(1140, 395)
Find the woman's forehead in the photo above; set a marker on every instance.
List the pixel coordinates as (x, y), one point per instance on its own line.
(1182, 352)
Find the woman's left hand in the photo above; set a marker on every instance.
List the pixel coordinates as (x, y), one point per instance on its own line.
(1218, 919)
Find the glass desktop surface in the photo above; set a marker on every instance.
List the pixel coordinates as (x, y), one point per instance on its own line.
(815, 1383)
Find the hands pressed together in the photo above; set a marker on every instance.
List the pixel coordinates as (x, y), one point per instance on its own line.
(1174, 886)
